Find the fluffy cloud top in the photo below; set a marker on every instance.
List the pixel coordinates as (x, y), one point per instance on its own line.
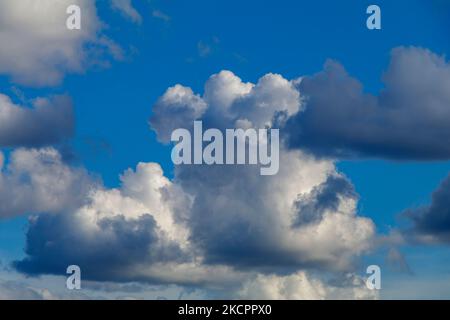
(408, 120)
(37, 181)
(38, 49)
(49, 121)
(242, 219)
(212, 226)
(181, 101)
(110, 229)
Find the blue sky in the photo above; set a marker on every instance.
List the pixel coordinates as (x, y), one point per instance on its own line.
(191, 40)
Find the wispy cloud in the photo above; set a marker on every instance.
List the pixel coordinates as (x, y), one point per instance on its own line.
(127, 9)
(161, 15)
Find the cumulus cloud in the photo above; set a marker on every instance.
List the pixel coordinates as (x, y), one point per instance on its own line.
(409, 119)
(104, 249)
(302, 286)
(245, 220)
(431, 223)
(49, 121)
(177, 100)
(37, 47)
(38, 180)
(136, 232)
(214, 227)
(112, 229)
(241, 219)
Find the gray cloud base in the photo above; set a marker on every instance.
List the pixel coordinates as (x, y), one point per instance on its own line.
(49, 121)
(409, 119)
(431, 223)
(119, 243)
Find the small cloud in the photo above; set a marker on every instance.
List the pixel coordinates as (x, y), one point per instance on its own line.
(216, 40)
(239, 58)
(204, 49)
(397, 261)
(161, 15)
(127, 9)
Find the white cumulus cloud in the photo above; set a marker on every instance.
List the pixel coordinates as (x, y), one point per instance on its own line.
(38, 49)
(224, 228)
